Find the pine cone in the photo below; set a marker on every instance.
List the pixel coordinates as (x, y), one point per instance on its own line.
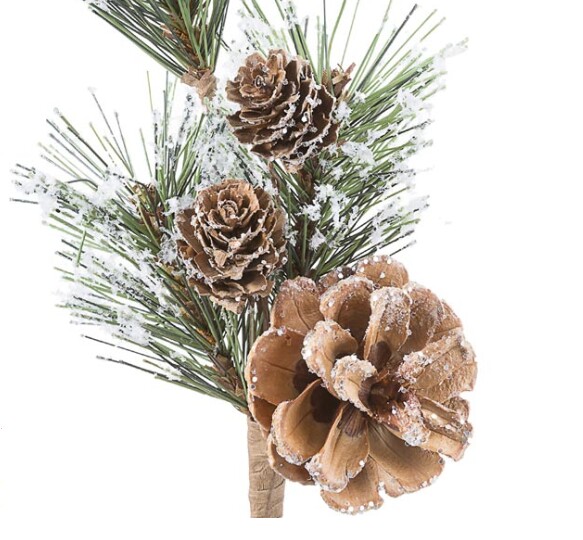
(233, 240)
(178, 33)
(197, 76)
(339, 79)
(146, 201)
(358, 384)
(203, 81)
(284, 113)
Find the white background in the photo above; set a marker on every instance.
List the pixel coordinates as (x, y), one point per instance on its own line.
(92, 450)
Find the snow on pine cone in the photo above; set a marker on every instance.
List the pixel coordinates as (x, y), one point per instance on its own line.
(233, 240)
(357, 384)
(284, 114)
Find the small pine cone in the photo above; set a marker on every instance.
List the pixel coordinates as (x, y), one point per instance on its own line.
(227, 375)
(197, 76)
(178, 33)
(146, 200)
(339, 79)
(193, 315)
(284, 113)
(203, 81)
(358, 384)
(233, 240)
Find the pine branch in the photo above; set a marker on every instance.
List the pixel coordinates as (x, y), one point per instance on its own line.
(115, 213)
(357, 197)
(182, 35)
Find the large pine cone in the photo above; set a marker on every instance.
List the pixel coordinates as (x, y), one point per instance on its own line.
(358, 384)
(233, 241)
(284, 113)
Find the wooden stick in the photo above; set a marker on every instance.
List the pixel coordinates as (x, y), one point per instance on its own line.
(266, 487)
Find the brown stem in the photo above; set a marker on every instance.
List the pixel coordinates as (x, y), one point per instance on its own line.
(265, 311)
(266, 487)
